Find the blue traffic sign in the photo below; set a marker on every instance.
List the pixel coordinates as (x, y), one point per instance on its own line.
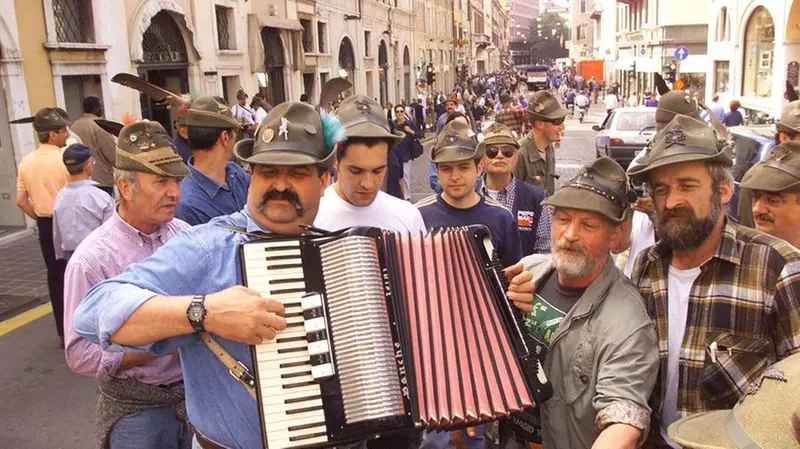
(643, 51)
(681, 53)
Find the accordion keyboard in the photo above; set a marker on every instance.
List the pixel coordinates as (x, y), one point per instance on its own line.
(290, 397)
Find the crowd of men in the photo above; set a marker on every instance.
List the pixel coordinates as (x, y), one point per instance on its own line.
(701, 318)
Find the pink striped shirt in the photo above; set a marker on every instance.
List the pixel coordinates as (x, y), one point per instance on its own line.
(104, 254)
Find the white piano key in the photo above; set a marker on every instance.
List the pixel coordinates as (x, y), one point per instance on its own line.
(300, 433)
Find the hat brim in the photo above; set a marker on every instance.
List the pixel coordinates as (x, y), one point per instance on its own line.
(455, 154)
(702, 431)
(666, 116)
(556, 114)
(498, 141)
(369, 130)
(574, 198)
(768, 179)
(640, 172)
(275, 155)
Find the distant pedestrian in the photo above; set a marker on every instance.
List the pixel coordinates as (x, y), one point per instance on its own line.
(80, 207)
(651, 101)
(611, 102)
(717, 108)
(734, 116)
(95, 137)
(40, 176)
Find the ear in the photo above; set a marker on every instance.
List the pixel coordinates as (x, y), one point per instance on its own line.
(615, 234)
(124, 189)
(324, 181)
(726, 192)
(479, 166)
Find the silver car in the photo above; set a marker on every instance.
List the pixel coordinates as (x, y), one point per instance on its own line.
(624, 132)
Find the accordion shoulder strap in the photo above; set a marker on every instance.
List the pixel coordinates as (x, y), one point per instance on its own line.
(236, 368)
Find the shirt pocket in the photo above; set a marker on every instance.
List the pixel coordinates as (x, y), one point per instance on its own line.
(580, 374)
(731, 363)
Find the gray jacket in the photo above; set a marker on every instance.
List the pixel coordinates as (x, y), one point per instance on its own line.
(602, 361)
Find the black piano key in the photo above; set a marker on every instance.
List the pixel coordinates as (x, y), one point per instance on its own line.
(304, 410)
(308, 437)
(281, 248)
(283, 291)
(289, 305)
(293, 364)
(290, 339)
(316, 312)
(293, 325)
(321, 359)
(317, 336)
(303, 399)
(300, 384)
(284, 266)
(298, 374)
(289, 257)
(288, 350)
(305, 426)
(286, 281)
(293, 314)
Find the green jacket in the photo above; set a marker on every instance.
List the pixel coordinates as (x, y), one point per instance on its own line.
(602, 361)
(532, 168)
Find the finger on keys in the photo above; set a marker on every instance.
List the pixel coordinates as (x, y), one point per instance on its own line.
(524, 306)
(521, 282)
(513, 270)
(521, 298)
(268, 334)
(276, 322)
(274, 306)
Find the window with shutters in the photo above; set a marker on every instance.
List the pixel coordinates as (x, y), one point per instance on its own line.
(225, 35)
(308, 35)
(73, 21)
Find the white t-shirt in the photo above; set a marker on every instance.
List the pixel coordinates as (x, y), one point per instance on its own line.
(386, 212)
(642, 237)
(679, 285)
(261, 114)
(492, 194)
(611, 101)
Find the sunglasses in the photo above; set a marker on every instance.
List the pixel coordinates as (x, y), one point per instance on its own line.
(557, 121)
(399, 111)
(491, 153)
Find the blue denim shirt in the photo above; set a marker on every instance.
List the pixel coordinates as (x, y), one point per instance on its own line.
(198, 261)
(203, 198)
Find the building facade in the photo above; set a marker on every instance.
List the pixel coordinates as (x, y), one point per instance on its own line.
(648, 34)
(582, 42)
(521, 14)
(754, 50)
(435, 41)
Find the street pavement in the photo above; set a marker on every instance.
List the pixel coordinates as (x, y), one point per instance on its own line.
(44, 405)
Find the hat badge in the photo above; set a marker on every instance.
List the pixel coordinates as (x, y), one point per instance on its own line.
(267, 135)
(675, 136)
(796, 111)
(283, 130)
(133, 138)
(363, 106)
(538, 107)
(451, 138)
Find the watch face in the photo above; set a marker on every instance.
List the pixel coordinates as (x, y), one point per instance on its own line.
(195, 313)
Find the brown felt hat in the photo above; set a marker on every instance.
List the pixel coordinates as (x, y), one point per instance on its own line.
(363, 117)
(778, 172)
(208, 112)
(455, 143)
(674, 103)
(498, 134)
(146, 147)
(601, 186)
(50, 119)
(761, 419)
(544, 106)
(790, 117)
(684, 139)
(292, 134)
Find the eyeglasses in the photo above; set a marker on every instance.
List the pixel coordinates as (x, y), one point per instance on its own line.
(492, 152)
(399, 111)
(556, 122)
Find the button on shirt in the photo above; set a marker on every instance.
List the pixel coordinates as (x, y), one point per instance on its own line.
(80, 208)
(203, 198)
(201, 260)
(106, 253)
(42, 174)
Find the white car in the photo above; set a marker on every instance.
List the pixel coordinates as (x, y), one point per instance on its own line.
(624, 132)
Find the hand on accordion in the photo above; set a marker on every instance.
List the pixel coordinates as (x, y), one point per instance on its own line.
(241, 314)
(521, 287)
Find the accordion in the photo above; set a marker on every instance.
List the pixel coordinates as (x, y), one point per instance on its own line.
(386, 332)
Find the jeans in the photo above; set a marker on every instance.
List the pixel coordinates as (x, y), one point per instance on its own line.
(55, 271)
(151, 429)
(440, 440)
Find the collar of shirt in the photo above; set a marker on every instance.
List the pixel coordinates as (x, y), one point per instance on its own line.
(251, 225)
(48, 147)
(80, 184)
(209, 185)
(125, 227)
(507, 189)
(727, 250)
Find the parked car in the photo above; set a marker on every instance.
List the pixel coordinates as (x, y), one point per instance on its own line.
(624, 132)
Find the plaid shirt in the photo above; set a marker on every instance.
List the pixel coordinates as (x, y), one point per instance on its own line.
(746, 300)
(512, 117)
(506, 197)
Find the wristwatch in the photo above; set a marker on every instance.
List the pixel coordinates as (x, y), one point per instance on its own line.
(196, 313)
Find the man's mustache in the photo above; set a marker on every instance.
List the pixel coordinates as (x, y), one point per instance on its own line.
(288, 195)
(764, 217)
(563, 244)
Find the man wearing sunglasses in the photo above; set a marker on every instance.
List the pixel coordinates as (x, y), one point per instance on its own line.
(537, 162)
(524, 200)
(217, 186)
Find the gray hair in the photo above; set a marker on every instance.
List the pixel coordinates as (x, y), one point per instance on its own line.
(720, 174)
(127, 175)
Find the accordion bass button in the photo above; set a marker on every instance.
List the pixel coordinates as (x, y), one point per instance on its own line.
(321, 372)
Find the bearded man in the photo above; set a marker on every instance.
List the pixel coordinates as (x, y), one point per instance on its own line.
(602, 373)
(724, 297)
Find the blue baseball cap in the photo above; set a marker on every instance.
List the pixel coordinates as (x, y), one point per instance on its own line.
(77, 154)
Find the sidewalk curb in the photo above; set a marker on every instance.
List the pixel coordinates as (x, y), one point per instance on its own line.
(24, 307)
(15, 236)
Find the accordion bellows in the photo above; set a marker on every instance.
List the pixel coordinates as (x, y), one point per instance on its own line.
(385, 332)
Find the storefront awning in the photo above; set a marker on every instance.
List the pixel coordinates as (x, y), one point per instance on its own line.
(695, 64)
(266, 20)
